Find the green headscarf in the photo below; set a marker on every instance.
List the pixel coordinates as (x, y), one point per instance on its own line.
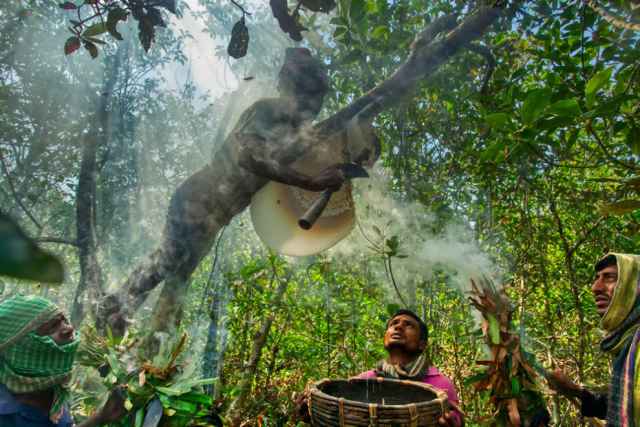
(621, 323)
(29, 362)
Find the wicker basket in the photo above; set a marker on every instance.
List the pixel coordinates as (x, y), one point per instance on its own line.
(375, 402)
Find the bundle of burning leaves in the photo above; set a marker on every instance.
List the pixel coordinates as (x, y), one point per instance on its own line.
(159, 392)
(511, 376)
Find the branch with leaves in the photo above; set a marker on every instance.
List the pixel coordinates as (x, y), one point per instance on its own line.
(97, 17)
(509, 375)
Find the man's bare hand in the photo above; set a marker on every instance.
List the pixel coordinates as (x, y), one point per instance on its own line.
(331, 178)
(113, 410)
(559, 382)
(449, 420)
(302, 408)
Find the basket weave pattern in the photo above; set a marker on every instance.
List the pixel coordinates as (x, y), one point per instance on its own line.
(375, 402)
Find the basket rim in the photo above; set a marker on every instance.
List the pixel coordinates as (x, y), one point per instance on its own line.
(441, 395)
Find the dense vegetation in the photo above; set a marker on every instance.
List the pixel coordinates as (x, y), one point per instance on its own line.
(518, 158)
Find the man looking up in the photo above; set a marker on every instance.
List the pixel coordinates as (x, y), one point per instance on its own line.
(37, 349)
(405, 340)
(615, 289)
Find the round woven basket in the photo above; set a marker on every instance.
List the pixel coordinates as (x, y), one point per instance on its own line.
(375, 402)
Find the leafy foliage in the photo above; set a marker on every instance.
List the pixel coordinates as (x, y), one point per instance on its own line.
(158, 392)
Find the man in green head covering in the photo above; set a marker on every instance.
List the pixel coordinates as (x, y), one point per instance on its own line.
(615, 288)
(37, 349)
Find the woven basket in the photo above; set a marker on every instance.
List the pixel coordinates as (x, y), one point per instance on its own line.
(375, 402)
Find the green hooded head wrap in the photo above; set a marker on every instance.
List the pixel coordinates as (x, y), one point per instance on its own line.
(625, 293)
(29, 362)
(621, 323)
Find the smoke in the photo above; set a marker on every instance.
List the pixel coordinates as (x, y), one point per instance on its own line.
(427, 244)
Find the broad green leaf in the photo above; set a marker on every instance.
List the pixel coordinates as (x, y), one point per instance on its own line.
(476, 378)
(116, 15)
(139, 417)
(534, 105)
(380, 32)
(494, 329)
(565, 108)
(357, 10)
(20, 257)
(493, 153)
(597, 82)
(497, 120)
(515, 386)
(92, 48)
(95, 30)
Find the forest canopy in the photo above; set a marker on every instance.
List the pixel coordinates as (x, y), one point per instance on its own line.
(510, 156)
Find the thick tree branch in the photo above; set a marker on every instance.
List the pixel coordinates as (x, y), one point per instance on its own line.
(212, 196)
(424, 60)
(486, 53)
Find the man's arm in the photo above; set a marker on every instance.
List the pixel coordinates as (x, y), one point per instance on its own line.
(113, 410)
(251, 152)
(591, 404)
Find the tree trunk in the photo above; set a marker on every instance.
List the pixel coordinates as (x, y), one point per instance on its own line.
(90, 271)
(212, 351)
(212, 196)
(259, 340)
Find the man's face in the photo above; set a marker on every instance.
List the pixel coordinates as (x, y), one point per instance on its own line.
(603, 287)
(403, 332)
(59, 329)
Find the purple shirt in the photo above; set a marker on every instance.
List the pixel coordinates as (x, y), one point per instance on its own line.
(435, 378)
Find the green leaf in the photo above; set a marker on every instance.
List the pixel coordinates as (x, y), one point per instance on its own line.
(95, 30)
(515, 386)
(357, 10)
(534, 105)
(116, 15)
(380, 32)
(493, 153)
(476, 378)
(20, 257)
(92, 48)
(139, 417)
(497, 120)
(565, 108)
(494, 329)
(597, 82)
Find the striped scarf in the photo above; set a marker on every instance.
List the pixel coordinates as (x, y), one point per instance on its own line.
(29, 362)
(623, 344)
(414, 371)
(622, 325)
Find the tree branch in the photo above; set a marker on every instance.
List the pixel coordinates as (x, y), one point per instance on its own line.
(605, 149)
(424, 60)
(486, 53)
(15, 194)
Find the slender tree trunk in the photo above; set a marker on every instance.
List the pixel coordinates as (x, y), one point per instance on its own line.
(212, 350)
(259, 341)
(90, 271)
(212, 196)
